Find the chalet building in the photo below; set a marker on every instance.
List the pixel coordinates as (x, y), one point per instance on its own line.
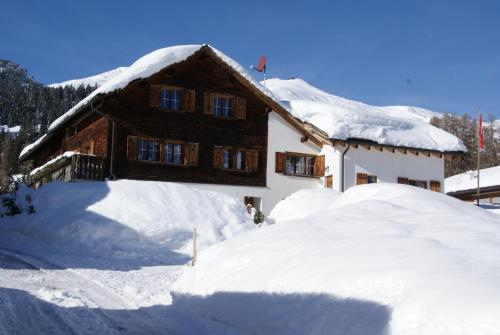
(464, 186)
(190, 114)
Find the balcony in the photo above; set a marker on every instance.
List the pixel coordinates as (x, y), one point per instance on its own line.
(69, 166)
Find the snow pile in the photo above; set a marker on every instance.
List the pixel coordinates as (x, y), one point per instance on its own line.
(294, 207)
(125, 219)
(468, 180)
(96, 80)
(383, 258)
(342, 118)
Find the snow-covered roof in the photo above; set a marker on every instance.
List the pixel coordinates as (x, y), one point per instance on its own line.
(344, 119)
(96, 80)
(468, 180)
(143, 68)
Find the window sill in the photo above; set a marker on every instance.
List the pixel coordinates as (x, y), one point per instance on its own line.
(236, 170)
(300, 175)
(161, 163)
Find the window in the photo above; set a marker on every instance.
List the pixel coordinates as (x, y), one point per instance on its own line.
(418, 183)
(241, 157)
(235, 159)
(173, 153)
(364, 178)
(227, 159)
(301, 165)
(223, 107)
(170, 99)
(147, 150)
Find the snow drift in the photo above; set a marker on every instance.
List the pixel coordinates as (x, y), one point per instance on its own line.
(382, 258)
(125, 219)
(342, 118)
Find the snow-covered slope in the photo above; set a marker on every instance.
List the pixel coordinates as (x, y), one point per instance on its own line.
(342, 118)
(96, 80)
(468, 180)
(127, 219)
(383, 258)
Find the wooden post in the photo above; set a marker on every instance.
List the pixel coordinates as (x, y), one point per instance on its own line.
(194, 247)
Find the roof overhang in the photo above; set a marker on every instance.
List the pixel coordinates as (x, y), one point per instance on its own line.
(368, 145)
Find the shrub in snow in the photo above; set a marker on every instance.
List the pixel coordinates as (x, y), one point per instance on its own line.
(258, 217)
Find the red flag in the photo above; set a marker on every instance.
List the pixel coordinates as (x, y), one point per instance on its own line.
(262, 64)
(480, 130)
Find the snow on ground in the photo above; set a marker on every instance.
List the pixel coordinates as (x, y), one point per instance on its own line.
(468, 180)
(96, 80)
(100, 257)
(294, 206)
(381, 258)
(342, 118)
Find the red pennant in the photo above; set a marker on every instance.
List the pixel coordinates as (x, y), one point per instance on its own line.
(480, 130)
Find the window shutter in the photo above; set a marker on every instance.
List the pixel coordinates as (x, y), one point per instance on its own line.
(241, 108)
(188, 100)
(218, 157)
(280, 162)
(132, 148)
(361, 178)
(154, 96)
(319, 166)
(208, 103)
(403, 180)
(252, 160)
(192, 153)
(435, 185)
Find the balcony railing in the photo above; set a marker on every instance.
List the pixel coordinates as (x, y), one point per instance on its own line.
(69, 168)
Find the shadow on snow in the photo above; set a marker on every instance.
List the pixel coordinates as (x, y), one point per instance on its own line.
(220, 313)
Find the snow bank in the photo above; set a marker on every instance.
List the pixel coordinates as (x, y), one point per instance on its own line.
(383, 257)
(126, 219)
(468, 180)
(294, 207)
(342, 118)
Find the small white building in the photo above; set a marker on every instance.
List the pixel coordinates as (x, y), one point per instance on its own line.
(464, 185)
(282, 135)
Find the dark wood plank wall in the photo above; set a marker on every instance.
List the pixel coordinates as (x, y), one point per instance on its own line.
(130, 108)
(93, 128)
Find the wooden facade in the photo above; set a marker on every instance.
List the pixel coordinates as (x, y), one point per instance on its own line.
(136, 115)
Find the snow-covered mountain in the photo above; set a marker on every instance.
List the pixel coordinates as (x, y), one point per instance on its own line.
(96, 80)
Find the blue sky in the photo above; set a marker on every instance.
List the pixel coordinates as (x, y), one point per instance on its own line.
(442, 55)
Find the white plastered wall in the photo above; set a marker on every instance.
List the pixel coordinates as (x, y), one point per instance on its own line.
(388, 166)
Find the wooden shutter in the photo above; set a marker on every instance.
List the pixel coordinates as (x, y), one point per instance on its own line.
(218, 157)
(192, 153)
(132, 148)
(319, 166)
(280, 162)
(241, 108)
(208, 103)
(403, 180)
(329, 181)
(435, 185)
(252, 160)
(154, 96)
(188, 100)
(361, 178)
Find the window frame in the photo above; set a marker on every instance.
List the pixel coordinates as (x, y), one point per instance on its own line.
(171, 89)
(224, 97)
(416, 181)
(305, 157)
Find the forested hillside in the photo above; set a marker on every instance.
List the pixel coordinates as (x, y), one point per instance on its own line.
(31, 105)
(465, 128)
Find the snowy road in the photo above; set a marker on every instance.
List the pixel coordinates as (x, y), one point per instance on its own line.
(37, 296)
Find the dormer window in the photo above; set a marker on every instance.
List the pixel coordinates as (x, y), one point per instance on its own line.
(170, 99)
